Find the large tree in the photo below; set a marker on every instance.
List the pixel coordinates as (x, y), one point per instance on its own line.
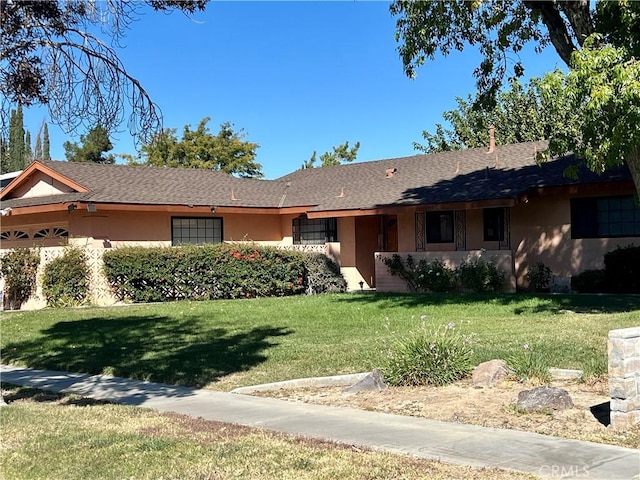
(17, 152)
(93, 149)
(226, 151)
(51, 55)
(598, 41)
(337, 155)
(520, 114)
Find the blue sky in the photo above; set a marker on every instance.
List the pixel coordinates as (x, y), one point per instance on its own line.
(296, 76)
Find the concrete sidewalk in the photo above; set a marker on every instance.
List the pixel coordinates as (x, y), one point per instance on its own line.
(541, 455)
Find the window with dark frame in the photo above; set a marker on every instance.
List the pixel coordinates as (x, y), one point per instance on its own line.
(195, 231)
(605, 217)
(493, 224)
(314, 231)
(439, 227)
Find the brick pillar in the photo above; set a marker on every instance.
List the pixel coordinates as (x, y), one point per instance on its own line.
(624, 376)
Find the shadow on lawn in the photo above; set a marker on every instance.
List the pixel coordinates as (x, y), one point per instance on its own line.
(523, 303)
(156, 349)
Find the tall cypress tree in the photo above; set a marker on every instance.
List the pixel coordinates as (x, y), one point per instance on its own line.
(16, 141)
(37, 154)
(28, 153)
(4, 155)
(46, 153)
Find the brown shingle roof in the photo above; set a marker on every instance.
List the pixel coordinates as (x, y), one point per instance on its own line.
(460, 176)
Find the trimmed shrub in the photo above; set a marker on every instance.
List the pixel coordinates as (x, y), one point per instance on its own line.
(203, 272)
(322, 274)
(65, 281)
(19, 268)
(432, 358)
(478, 275)
(539, 277)
(434, 276)
(622, 269)
(474, 274)
(589, 281)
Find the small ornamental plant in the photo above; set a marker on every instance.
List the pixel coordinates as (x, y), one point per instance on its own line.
(529, 365)
(539, 277)
(428, 358)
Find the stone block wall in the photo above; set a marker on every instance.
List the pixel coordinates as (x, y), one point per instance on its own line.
(624, 376)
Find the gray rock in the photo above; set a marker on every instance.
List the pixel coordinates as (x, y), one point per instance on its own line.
(565, 375)
(544, 398)
(372, 382)
(487, 374)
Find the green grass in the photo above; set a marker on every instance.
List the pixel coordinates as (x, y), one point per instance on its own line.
(224, 344)
(56, 437)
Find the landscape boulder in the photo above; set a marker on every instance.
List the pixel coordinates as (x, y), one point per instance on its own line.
(372, 382)
(487, 374)
(544, 398)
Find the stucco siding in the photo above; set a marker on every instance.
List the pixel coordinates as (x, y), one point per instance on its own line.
(541, 232)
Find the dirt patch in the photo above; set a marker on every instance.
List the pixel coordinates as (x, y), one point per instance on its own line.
(490, 407)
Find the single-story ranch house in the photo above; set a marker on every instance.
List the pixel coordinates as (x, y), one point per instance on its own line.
(445, 205)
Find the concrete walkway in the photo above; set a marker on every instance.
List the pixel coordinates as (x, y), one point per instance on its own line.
(541, 455)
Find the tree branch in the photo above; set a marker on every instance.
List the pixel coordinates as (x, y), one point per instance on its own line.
(558, 34)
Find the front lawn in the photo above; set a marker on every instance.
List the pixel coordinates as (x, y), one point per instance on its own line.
(224, 344)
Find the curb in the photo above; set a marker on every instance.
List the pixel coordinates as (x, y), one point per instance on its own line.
(332, 381)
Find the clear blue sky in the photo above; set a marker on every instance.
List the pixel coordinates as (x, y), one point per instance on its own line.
(296, 76)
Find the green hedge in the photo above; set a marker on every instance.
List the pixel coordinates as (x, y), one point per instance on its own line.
(622, 269)
(19, 268)
(206, 272)
(65, 281)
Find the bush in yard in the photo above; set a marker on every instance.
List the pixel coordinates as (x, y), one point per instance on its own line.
(403, 269)
(204, 272)
(539, 277)
(423, 276)
(433, 358)
(622, 269)
(322, 274)
(589, 281)
(19, 268)
(434, 276)
(65, 281)
(529, 364)
(478, 275)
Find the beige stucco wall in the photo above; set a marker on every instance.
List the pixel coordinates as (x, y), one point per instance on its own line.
(40, 185)
(541, 231)
(406, 231)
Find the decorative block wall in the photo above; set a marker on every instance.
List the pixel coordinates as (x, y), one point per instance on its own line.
(624, 377)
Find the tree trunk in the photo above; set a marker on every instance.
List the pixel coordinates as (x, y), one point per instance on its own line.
(633, 161)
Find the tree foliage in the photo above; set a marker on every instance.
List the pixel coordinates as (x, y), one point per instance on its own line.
(598, 41)
(94, 146)
(15, 154)
(338, 155)
(519, 115)
(50, 55)
(225, 151)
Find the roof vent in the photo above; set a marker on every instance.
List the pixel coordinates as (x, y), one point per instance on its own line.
(390, 172)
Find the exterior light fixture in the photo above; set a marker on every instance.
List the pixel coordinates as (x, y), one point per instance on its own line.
(213, 209)
(71, 207)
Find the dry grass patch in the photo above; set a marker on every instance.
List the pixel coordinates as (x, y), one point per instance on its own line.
(49, 436)
(490, 407)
